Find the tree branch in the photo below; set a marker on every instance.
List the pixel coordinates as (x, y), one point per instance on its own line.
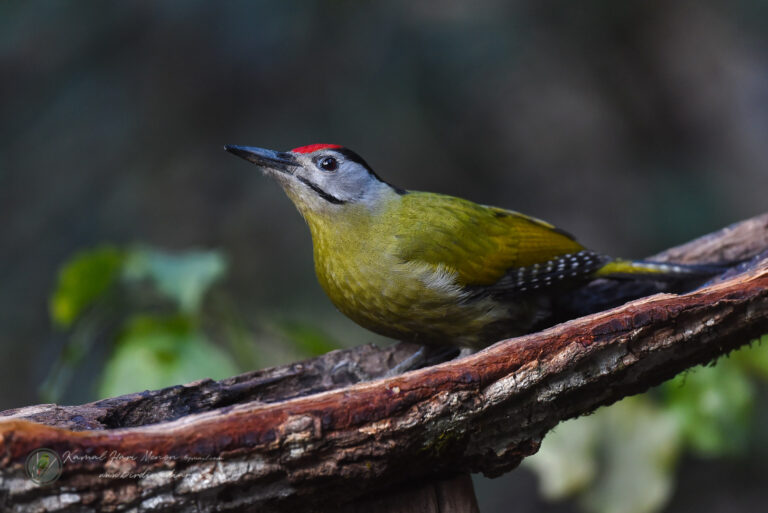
(309, 433)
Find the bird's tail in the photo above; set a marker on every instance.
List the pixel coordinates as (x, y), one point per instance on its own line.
(659, 271)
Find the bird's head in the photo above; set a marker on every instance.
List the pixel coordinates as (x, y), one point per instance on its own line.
(320, 178)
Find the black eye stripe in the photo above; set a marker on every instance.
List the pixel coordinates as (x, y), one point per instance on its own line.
(327, 197)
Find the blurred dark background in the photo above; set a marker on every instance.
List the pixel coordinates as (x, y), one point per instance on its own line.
(635, 125)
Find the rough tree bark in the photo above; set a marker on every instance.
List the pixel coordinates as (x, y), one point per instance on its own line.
(326, 433)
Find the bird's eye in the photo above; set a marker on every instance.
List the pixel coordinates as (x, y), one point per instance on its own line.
(329, 164)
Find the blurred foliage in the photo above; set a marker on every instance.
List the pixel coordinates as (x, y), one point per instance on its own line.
(184, 278)
(712, 406)
(151, 310)
(155, 352)
(622, 459)
(310, 340)
(86, 278)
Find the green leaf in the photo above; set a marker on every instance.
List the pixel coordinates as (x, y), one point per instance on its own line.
(617, 460)
(567, 460)
(754, 358)
(155, 352)
(640, 444)
(713, 406)
(82, 281)
(308, 339)
(182, 277)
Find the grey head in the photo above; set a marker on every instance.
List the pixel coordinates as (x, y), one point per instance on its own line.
(320, 177)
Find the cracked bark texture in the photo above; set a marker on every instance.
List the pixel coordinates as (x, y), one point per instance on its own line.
(313, 436)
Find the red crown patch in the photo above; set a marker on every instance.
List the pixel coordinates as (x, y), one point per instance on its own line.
(315, 147)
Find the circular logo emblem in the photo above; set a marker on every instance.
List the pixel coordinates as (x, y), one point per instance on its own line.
(43, 466)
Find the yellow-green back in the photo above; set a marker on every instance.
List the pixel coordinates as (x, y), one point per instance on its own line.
(480, 243)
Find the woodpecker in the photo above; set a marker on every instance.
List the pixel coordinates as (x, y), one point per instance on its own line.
(430, 268)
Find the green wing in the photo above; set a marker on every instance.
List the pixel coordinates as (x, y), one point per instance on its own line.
(481, 244)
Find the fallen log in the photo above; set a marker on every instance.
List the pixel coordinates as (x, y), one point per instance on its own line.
(328, 433)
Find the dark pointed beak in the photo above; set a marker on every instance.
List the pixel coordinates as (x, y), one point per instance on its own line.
(269, 159)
